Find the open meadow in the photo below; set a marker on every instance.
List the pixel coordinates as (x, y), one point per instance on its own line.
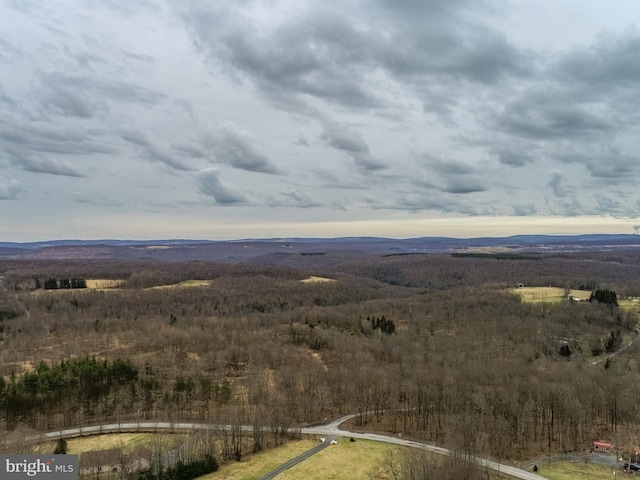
(549, 294)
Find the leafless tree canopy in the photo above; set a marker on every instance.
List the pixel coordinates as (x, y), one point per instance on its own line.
(431, 346)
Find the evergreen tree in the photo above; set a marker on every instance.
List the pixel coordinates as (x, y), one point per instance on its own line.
(614, 342)
(608, 297)
(61, 447)
(78, 283)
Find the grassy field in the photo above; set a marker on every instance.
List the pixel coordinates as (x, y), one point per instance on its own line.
(630, 304)
(103, 284)
(126, 441)
(261, 463)
(314, 279)
(579, 471)
(359, 460)
(188, 284)
(556, 295)
(548, 294)
(347, 460)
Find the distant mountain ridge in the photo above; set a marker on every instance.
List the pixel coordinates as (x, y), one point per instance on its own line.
(527, 239)
(258, 250)
(111, 242)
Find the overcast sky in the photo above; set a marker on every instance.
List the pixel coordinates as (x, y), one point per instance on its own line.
(239, 119)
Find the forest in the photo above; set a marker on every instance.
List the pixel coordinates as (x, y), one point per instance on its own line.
(436, 347)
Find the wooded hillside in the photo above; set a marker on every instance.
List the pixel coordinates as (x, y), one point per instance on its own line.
(431, 346)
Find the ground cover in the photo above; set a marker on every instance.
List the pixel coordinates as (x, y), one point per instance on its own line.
(345, 460)
(556, 294)
(188, 284)
(549, 294)
(255, 466)
(579, 471)
(103, 284)
(126, 441)
(314, 279)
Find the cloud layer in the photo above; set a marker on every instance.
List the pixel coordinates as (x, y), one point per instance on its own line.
(318, 111)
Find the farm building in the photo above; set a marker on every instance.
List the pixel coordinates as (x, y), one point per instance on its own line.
(602, 447)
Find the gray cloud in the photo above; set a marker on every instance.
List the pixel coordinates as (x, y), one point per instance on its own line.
(235, 147)
(558, 185)
(5, 100)
(223, 194)
(63, 98)
(115, 90)
(10, 189)
(47, 165)
(38, 137)
(66, 103)
(551, 117)
(608, 206)
(95, 199)
(611, 60)
(292, 198)
(154, 152)
(523, 210)
(512, 157)
(417, 202)
(338, 99)
(302, 141)
(344, 138)
(604, 161)
(450, 167)
(464, 185)
(316, 56)
(321, 53)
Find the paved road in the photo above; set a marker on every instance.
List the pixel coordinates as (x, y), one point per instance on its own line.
(330, 430)
(621, 349)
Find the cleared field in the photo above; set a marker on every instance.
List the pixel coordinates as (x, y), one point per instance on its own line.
(548, 294)
(556, 294)
(359, 460)
(579, 471)
(314, 279)
(262, 463)
(188, 284)
(630, 304)
(125, 441)
(103, 284)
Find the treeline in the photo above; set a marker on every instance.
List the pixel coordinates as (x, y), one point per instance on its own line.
(183, 471)
(21, 274)
(608, 297)
(74, 384)
(64, 283)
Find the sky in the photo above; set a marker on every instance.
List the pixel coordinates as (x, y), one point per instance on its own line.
(296, 118)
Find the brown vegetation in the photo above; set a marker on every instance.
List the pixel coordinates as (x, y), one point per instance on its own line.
(469, 365)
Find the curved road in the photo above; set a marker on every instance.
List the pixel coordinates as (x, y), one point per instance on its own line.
(329, 430)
